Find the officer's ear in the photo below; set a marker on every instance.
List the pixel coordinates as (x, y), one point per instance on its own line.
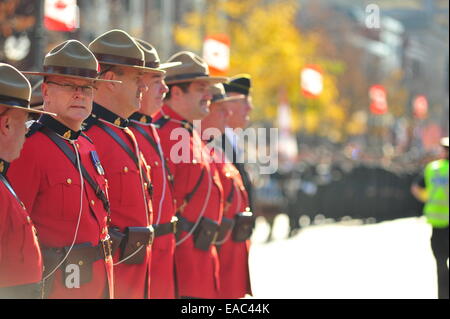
(5, 124)
(176, 91)
(109, 75)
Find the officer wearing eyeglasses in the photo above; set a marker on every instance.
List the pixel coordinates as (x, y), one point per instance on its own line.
(67, 197)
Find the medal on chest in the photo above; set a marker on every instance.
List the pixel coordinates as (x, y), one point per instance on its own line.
(96, 161)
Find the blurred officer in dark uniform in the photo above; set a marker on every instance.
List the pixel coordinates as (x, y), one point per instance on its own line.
(240, 84)
(197, 186)
(20, 257)
(126, 170)
(162, 284)
(432, 189)
(67, 198)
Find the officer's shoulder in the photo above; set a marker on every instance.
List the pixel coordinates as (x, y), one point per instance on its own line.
(89, 123)
(161, 122)
(34, 127)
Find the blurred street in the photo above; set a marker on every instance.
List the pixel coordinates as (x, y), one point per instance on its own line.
(344, 260)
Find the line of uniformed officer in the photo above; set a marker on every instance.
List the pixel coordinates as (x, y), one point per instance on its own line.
(119, 213)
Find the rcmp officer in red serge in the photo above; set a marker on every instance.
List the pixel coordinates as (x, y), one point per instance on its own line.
(237, 222)
(67, 197)
(20, 257)
(198, 191)
(126, 170)
(162, 284)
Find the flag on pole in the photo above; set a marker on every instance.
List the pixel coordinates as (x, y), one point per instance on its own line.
(216, 52)
(61, 15)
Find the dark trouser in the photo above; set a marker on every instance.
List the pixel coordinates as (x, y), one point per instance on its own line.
(440, 246)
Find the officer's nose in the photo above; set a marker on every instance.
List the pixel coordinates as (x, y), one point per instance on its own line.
(164, 87)
(208, 95)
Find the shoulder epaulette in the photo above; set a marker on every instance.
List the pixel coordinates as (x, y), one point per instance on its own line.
(36, 126)
(89, 122)
(161, 122)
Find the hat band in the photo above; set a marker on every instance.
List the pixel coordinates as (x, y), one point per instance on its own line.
(153, 65)
(63, 70)
(7, 100)
(186, 76)
(117, 59)
(217, 97)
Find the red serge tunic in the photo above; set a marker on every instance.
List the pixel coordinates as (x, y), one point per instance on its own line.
(50, 186)
(163, 249)
(197, 271)
(129, 206)
(233, 256)
(20, 256)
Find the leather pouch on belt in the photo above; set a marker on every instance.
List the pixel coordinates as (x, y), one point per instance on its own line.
(51, 258)
(205, 234)
(116, 238)
(135, 244)
(82, 256)
(224, 229)
(243, 227)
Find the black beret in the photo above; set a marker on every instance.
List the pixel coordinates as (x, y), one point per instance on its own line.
(240, 84)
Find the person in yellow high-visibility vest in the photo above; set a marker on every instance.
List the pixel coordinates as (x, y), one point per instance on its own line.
(432, 189)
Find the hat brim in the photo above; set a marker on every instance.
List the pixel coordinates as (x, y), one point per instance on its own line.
(69, 76)
(169, 65)
(230, 98)
(140, 68)
(211, 79)
(28, 109)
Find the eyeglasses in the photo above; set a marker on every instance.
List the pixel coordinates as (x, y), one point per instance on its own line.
(73, 87)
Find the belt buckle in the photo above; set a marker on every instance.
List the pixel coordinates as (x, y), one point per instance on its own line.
(106, 245)
(152, 235)
(174, 222)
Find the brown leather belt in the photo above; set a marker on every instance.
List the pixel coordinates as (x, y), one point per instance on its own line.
(166, 228)
(90, 253)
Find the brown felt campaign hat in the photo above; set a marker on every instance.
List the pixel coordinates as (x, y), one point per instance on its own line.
(151, 57)
(193, 68)
(218, 94)
(15, 90)
(118, 48)
(71, 59)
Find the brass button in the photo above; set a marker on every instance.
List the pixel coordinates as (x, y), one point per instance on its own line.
(156, 163)
(28, 219)
(69, 181)
(125, 169)
(92, 202)
(194, 161)
(227, 174)
(81, 263)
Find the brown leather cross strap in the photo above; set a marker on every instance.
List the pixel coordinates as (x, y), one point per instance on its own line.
(9, 188)
(126, 148)
(153, 143)
(72, 157)
(189, 196)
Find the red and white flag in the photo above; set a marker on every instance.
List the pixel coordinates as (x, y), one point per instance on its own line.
(311, 80)
(216, 52)
(378, 99)
(61, 15)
